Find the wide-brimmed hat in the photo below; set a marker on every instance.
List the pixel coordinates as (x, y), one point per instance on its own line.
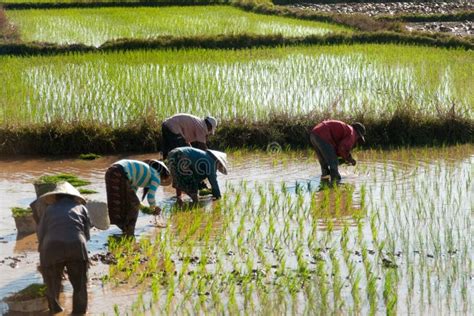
(360, 129)
(221, 158)
(213, 122)
(98, 214)
(62, 188)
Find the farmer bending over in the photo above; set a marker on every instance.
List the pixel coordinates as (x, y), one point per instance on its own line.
(189, 166)
(63, 231)
(183, 130)
(331, 139)
(123, 179)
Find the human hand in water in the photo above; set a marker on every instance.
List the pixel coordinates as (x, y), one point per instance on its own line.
(352, 161)
(157, 210)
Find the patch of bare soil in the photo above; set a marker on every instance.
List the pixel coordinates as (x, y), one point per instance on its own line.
(390, 8)
(457, 28)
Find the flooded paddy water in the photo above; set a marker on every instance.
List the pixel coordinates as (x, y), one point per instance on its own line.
(395, 237)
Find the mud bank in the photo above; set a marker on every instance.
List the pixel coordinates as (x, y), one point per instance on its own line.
(389, 8)
(456, 28)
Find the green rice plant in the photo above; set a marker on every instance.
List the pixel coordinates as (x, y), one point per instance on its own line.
(304, 265)
(89, 156)
(377, 80)
(21, 212)
(95, 26)
(71, 178)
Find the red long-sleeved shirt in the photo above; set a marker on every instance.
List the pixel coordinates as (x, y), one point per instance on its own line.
(340, 135)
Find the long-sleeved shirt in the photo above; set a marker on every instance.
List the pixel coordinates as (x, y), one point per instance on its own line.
(192, 128)
(340, 135)
(203, 166)
(63, 232)
(141, 175)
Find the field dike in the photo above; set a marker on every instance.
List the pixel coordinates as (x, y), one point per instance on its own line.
(402, 129)
(236, 42)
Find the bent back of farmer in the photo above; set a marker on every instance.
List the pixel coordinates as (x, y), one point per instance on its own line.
(186, 130)
(63, 232)
(122, 180)
(332, 138)
(189, 166)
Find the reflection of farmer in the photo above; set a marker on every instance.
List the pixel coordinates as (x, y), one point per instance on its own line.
(331, 139)
(122, 180)
(63, 231)
(189, 166)
(186, 130)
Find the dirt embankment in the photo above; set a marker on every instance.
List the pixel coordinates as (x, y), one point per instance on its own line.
(459, 28)
(390, 8)
(456, 28)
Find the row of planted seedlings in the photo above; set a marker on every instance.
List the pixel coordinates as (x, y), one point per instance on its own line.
(263, 248)
(373, 79)
(420, 218)
(381, 246)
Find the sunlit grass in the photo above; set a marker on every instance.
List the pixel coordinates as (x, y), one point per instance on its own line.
(120, 87)
(98, 25)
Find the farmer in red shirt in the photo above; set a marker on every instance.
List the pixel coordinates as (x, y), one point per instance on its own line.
(331, 139)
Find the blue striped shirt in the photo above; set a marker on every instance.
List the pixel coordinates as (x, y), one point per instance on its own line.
(141, 175)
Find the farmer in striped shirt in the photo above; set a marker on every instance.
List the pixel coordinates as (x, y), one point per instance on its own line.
(122, 181)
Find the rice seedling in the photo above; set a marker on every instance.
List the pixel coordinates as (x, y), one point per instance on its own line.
(110, 88)
(97, 25)
(360, 250)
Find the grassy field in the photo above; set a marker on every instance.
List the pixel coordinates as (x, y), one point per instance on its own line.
(117, 88)
(96, 26)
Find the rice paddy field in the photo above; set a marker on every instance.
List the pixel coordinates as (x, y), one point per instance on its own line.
(98, 25)
(394, 238)
(117, 88)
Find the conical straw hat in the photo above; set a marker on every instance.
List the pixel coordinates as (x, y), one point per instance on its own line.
(98, 214)
(62, 188)
(221, 158)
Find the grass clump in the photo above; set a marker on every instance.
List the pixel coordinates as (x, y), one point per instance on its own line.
(89, 156)
(32, 291)
(86, 191)
(61, 177)
(147, 209)
(18, 212)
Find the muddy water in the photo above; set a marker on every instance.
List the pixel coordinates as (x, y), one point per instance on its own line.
(376, 171)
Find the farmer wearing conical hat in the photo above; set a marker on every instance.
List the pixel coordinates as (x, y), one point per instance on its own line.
(63, 231)
(122, 181)
(190, 166)
(183, 129)
(332, 138)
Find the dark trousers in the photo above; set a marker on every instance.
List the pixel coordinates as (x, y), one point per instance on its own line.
(327, 157)
(77, 273)
(122, 201)
(170, 141)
